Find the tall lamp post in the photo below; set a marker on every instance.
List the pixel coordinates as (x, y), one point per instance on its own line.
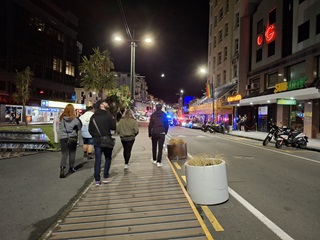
(181, 101)
(133, 46)
(209, 85)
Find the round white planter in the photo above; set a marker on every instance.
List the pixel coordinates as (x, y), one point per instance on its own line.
(207, 184)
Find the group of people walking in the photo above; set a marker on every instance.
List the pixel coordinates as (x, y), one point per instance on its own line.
(99, 122)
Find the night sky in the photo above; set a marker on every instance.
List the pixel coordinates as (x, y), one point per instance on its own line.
(179, 29)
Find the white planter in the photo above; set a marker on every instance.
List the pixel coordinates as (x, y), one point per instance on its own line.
(207, 185)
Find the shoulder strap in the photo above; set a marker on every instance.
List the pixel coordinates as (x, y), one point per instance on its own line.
(94, 122)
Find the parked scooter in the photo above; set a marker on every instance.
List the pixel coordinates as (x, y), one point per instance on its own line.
(292, 138)
(219, 128)
(206, 127)
(273, 133)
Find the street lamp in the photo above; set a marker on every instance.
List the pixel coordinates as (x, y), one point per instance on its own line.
(181, 101)
(210, 89)
(133, 46)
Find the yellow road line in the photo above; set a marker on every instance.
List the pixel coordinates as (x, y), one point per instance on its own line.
(216, 225)
(177, 165)
(193, 207)
(184, 178)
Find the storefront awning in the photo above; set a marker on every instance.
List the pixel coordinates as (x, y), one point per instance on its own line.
(301, 94)
(222, 90)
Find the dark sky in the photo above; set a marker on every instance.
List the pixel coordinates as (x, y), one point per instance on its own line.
(179, 29)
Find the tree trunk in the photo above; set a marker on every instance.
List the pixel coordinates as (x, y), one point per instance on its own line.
(24, 115)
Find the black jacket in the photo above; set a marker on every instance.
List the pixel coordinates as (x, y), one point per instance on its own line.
(105, 122)
(158, 123)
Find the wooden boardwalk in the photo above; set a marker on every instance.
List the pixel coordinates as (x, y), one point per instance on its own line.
(144, 202)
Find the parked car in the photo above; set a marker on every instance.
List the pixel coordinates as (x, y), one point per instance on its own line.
(195, 124)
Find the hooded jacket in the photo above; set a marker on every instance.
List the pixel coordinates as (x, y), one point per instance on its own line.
(69, 127)
(85, 119)
(128, 129)
(158, 123)
(105, 122)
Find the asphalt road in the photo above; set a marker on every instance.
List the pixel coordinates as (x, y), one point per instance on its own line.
(274, 194)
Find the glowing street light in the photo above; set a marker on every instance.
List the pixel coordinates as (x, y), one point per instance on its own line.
(204, 71)
(133, 61)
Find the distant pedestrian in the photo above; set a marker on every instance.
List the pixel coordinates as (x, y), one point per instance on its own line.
(86, 136)
(128, 130)
(158, 128)
(17, 118)
(69, 127)
(105, 122)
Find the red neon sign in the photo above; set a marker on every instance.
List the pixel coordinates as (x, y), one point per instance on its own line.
(260, 39)
(270, 33)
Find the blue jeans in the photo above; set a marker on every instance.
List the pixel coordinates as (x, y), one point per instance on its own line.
(97, 161)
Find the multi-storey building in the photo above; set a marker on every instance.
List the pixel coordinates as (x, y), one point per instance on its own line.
(38, 34)
(283, 81)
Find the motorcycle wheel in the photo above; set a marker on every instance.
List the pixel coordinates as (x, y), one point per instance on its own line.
(211, 130)
(266, 141)
(303, 144)
(278, 144)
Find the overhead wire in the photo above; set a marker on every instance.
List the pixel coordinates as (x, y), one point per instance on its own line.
(124, 20)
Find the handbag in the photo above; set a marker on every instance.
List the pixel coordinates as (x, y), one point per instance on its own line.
(106, 141)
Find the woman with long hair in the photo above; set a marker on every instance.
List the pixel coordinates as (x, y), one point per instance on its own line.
(69, 127)
(128, 130)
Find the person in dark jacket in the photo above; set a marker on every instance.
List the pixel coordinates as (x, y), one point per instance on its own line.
(69, 127)
(106, 123)
(158, 128)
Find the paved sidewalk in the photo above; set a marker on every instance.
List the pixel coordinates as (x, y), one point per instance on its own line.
(142, 202)
(313, 144)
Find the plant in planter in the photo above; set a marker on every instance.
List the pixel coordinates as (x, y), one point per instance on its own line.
(177, 149)
(207, 181)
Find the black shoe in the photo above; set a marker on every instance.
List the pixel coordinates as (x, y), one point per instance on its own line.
(85, 154)
(62, 172)
(72, 170)
(90, 156)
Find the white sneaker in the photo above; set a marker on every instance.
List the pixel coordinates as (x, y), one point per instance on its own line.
(159, 164)
(153, 161)
(126, 166)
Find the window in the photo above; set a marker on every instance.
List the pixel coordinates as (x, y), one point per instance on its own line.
(214, 41)
(224, 76)
(220, 14)
(260, 27)
(301, 1)
(237, 19)
(220, 36)
(259, 55)
(271, 48)
(318, 24)
(226, 29)
(70, 68)
(272, 16)
(215, 21)
(303, 31)
(235, 70)
(296, 71)
(272, 79)
(214, 62)
(219, 57)
(218, 80)
(236, 45)
(227, 6)
(210, 29)
(225, 53)
(57, 65)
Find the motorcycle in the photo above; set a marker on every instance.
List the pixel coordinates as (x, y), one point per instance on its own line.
(219, 128)
(205, 127)
(292, 138)
(273, 133)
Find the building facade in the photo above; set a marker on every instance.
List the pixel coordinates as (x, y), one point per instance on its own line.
(39, 35)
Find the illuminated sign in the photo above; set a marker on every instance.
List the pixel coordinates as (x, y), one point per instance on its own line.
(260, 39)
(284, 101)
(291, 85)
(54, 104)
(270, 33)
(235, 98)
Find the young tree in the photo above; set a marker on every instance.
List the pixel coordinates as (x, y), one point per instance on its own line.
(119, 99)
(23, 91)
(96, 72)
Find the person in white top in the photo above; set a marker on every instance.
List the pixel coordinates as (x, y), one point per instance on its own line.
(87, 138)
